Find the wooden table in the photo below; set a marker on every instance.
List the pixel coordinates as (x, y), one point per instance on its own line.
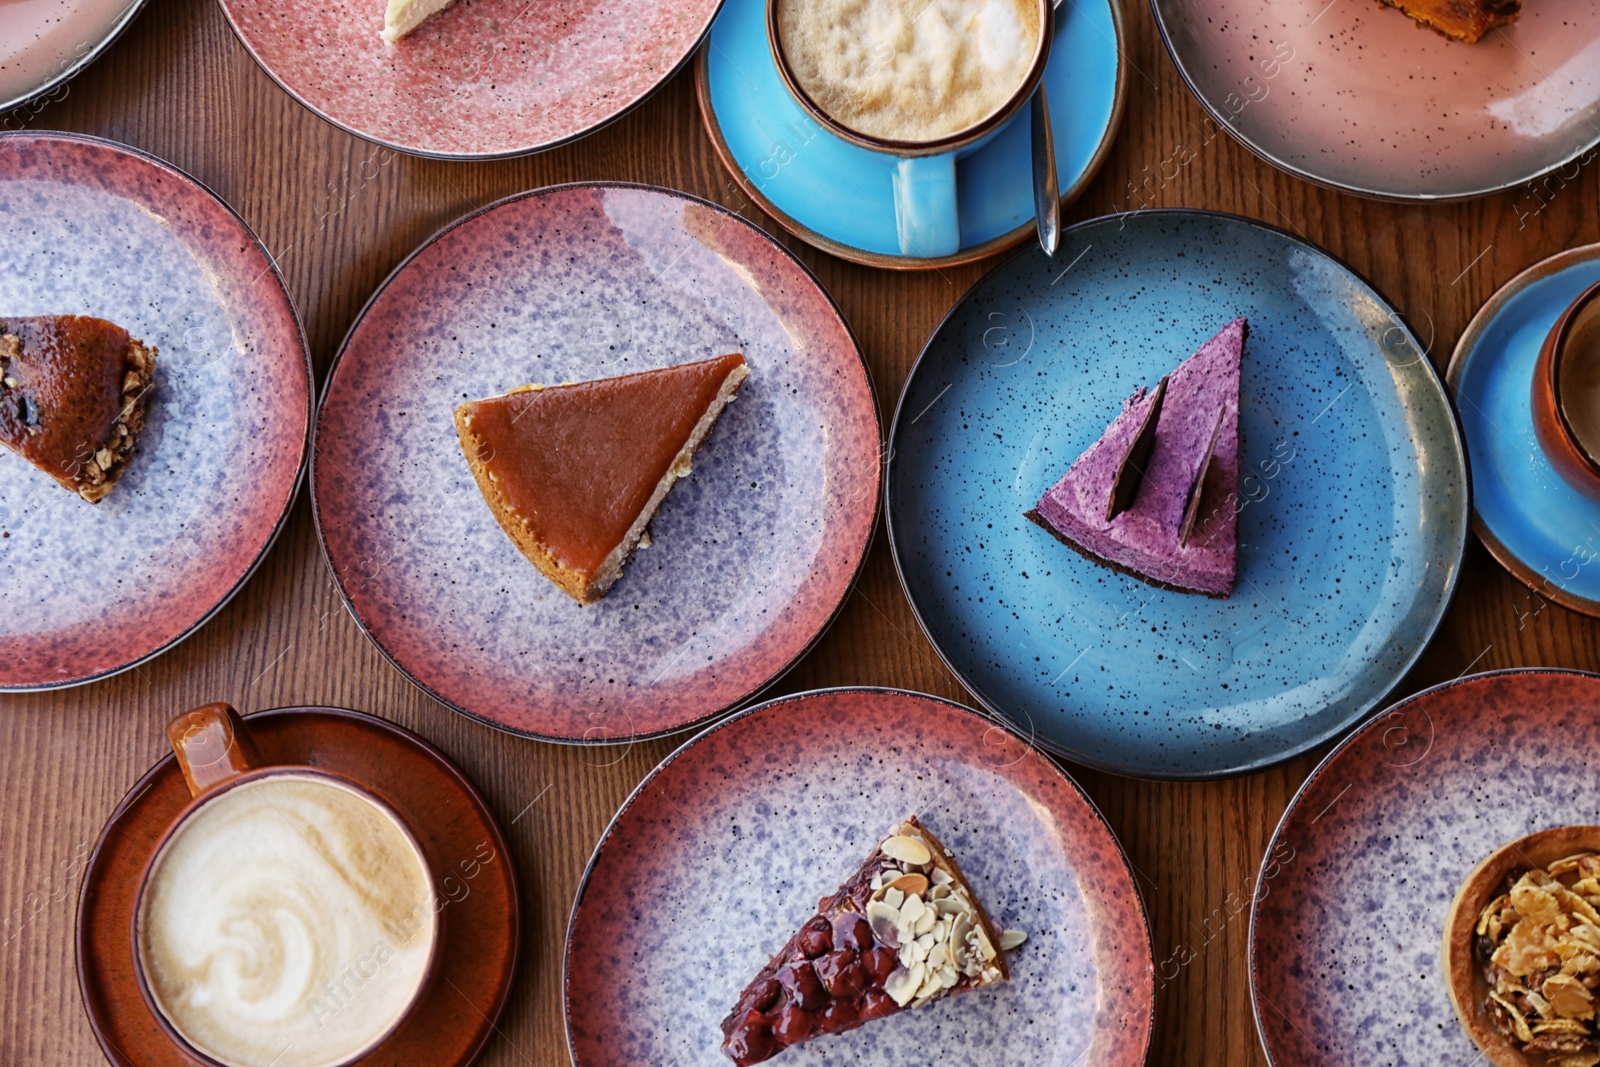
(339, 214)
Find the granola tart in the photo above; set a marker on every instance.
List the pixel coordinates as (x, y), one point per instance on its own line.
(73, 392)
(574, 473)
(903, 931)
(1461, 20)
(1538, 945)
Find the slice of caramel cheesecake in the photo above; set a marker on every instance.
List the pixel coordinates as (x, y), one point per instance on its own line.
(1462, 20)
(574, 473)
(905, 930)
(72, 398)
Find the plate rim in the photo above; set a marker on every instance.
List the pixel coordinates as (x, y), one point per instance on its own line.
(1323, 764)
(706, 717)
(1123, 770)
(1328, 183)
(885, 261)
(1469, 342)
(469, 788)
(875, 690)
(510, 153)
(184, 177)
(129, 12)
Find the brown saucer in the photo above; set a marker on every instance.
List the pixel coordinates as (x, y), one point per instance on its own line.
(466, 853)
(1464, 978)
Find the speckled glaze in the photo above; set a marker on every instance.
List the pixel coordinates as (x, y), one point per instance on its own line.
(839, 196)
(1351, 901)
(45, 43)
(742, 830)
(1352, 486)
(484, 78)
(94, 228)
(1541, 529)
(752, 553)
(1355, 95)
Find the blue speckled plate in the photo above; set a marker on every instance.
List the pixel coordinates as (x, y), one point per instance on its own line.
(1544, 531)
(840, 197)
(1353, 483)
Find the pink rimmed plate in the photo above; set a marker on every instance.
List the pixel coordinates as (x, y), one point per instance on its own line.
(1354, 95)
(483, 79)
(90, 227)
(1348, 917)
(723, 851)
(752, 554)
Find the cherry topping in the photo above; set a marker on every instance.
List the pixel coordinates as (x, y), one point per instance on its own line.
(880, 964)
(794, 1025)
(876, 1004)
(799, 980)
(750, 1040)
(852, 931)
(762, 994)
(840, 1016)
(816, 937)
(841, 975)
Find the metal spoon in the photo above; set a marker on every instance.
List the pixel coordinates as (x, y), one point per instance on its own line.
(1046, 192)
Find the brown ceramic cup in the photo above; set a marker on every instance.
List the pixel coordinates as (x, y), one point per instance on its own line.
(1566, 394)
(220, 761)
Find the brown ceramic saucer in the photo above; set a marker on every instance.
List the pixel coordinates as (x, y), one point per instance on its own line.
(1463, 977)
(466, 853)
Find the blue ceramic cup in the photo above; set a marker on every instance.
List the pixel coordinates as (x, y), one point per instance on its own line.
(926, 217)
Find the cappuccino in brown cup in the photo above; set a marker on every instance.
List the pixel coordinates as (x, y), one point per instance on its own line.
(288, 920)
(909, 71)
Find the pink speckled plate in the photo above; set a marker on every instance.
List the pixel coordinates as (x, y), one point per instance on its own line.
(483, 79)
(45, 43)
(1355, 95)
(724, 850)
(752, 554)
(1348, 916)
(94, 228)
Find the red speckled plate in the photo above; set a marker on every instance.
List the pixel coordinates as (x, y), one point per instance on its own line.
(1349, 909)
(742, 830)
(751, 554)
(90, 227)
(483, 79)
(1355, 95)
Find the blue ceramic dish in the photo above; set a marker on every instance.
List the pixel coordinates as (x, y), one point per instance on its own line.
(1541, 529)
(1352, 475)
(839, 196)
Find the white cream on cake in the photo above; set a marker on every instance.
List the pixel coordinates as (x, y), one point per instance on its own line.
(910, 70)
(403, 16)
(289, 922)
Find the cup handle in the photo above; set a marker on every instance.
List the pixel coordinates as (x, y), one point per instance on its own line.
(925, 214)
(213, 746)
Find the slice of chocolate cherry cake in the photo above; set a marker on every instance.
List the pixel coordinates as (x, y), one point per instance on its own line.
(903, 931)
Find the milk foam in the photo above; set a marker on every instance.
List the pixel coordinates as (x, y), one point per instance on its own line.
(909, 70)
(288, 922)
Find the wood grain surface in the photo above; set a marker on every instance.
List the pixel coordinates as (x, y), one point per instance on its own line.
(339, 213)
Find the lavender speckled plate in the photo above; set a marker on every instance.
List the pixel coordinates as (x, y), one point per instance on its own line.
(752, 554)
(1352, 497)
(484, 79)
(91, 227)
(1349, 911)
(1356, 96)
(739, 832)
